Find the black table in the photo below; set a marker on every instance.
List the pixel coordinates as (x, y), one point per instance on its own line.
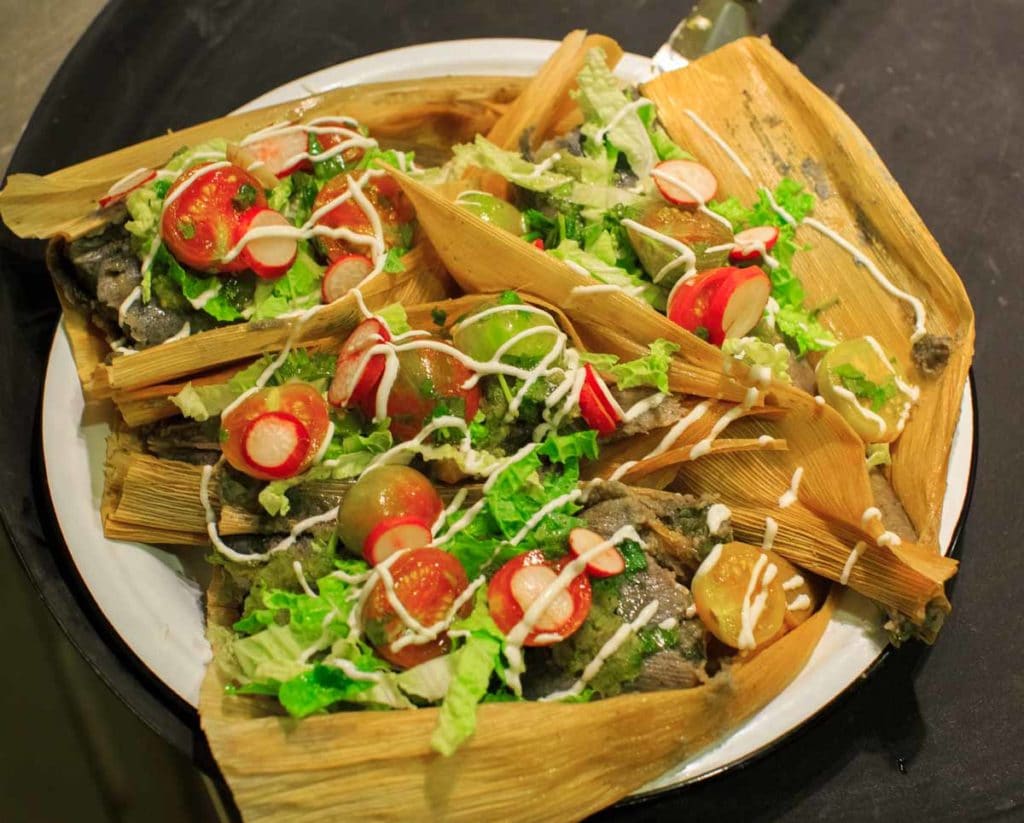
(938, 87)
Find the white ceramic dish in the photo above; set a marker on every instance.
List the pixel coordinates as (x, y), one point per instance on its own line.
(152, 597)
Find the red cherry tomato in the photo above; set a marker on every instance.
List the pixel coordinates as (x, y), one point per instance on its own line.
(520, 582)
(299, 400)
(201, 221)
(385, 196)
(426, 380)
(427, 582)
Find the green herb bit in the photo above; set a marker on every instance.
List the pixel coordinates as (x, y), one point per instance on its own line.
(245, 197)
(854, 380)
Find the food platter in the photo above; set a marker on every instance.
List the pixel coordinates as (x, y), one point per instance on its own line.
(152, 599)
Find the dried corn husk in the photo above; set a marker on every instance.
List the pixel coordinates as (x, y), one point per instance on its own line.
(484, 259)
(423, 279)
(545, 102)
(272, 764)
(780, 124)
(908, 579)
(432, 113)
(835, 485)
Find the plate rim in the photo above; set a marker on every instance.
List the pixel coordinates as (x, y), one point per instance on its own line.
(185, 711)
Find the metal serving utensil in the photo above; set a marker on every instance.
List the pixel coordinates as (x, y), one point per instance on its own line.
(711, 23)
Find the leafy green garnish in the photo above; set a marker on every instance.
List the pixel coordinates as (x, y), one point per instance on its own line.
(605, 107)
(473, 666)
(798, 325)
(244, 197)
(651, 370)
(203, 402)
(298, 288)
(878, 454)
(854, 380)
(756, 352)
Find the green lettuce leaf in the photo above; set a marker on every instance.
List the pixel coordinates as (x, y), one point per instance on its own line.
(298, 288)
(802, 331)
(571, 251)
(602, 101)
(192, 286)
(756, 352)
(395, 318)
(472, 668)
(509, 165)
(651, 370)
(203, 402)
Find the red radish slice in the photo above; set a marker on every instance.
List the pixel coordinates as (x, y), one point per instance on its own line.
(684, 182)
(394, 534)
(529, 583)
(606, 564)
(750, 242)
(596, 404)
(276, 151)
(738, 303)
(355, 379)
(344, 274)
(272, 256)
(276, 443)
(368, 333)
(605, 394)
(120, 190)
(356, 376)
(539, 243)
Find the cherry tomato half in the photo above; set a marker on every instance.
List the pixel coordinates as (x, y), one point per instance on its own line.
(427, 582)
(299, 400)
(201, 221)
(427, 379)
(520, 582)
(385, 196)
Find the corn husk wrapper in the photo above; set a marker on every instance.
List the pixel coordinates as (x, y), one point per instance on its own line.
(427, 115)
(782, 125)
(545, 105)
(148, 496)
(331, 766)
(835, 483)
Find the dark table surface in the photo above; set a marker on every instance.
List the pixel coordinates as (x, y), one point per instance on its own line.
(937, 87)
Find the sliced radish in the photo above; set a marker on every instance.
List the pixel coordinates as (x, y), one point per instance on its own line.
(276, 443)
(606, 564)
(394, 534)
(529, 583)
(270, 256)
(539, 243)
(344, 274)
(739, 302)
(355, 379)
(356, 376)
(725, 302)
(125, 186)
(279, 152)
(597, 405)
(368, 333)
(752, 243)
(684, 182)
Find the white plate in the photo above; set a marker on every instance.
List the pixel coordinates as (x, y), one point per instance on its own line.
(152, 597)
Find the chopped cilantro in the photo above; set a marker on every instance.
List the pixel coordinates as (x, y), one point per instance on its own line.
(186, 229)
(439, 316)
(245, 197)
(857, 382)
